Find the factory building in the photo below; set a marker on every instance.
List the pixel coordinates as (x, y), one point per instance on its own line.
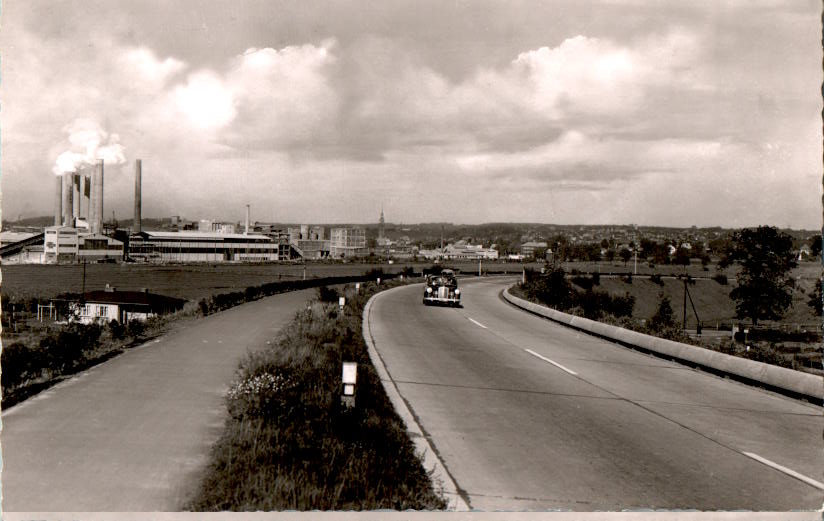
(21, 248)
(347, 242)
(154, 246)
(66, 244)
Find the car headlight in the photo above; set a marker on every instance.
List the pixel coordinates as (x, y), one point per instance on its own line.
(457, 292)
(428, 289)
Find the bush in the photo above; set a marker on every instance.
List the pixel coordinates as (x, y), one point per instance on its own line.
(16, 362)
(720, 278)
(68, 346)
(116, 330)
(663, 319)
(655, 278)
(327, 294)
(582, 282)
(135, 328)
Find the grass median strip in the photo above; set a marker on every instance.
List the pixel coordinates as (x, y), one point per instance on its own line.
(289, 443)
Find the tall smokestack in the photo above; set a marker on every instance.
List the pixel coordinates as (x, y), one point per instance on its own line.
(58, 200)
(97, 197)
(75, 196)
(84, 196)
(247, 220)
(92, 203)
(138, 169)
(67, 198)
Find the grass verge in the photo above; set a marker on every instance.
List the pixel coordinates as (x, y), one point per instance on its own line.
(289, 444)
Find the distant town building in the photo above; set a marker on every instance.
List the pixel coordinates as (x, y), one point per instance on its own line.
(528, 249)
(347, 242)
(460, 251)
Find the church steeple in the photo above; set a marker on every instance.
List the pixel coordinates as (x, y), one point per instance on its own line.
(381, 225)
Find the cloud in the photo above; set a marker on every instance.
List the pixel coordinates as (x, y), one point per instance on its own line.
(631, 99)
(88, 143)
(205, 100)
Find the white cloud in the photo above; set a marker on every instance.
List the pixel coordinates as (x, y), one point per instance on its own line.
(205, 100)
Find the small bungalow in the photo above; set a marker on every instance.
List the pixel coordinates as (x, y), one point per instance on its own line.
(123, 306)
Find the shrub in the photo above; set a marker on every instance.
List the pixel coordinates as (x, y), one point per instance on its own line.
(663, 318)
(116, 330)
(327, 294)
(16, 362)
(655, 278)
(135, 328)
(582, 282)
(720, 278)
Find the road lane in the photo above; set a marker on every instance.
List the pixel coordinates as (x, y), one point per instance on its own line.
(628, 431)
(134, 433)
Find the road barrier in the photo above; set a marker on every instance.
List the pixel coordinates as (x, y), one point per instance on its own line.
(780, 379)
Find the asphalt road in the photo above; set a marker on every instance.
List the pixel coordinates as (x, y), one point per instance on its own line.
(529, 415)
(134, 433)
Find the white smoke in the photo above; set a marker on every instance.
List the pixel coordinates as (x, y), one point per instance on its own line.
(88, 143)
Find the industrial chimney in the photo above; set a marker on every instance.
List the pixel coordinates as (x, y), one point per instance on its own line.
(67, 198)
(247, 220)
(76, 196)
(97, 198)
(138, 169)
(84, 196)
(58, 200)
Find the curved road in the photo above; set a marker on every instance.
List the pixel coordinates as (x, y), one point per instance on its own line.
(529, 415)
(134, 433)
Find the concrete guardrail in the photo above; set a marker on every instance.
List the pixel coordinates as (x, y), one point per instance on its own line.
(792, 382)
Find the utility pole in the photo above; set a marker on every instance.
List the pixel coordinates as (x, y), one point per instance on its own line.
(684, 322)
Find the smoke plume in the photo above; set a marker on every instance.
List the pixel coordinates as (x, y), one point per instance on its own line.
(88, 143)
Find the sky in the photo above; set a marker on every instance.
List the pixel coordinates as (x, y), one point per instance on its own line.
(704, 113)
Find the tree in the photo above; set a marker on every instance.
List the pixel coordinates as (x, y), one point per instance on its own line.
(766, 256)
(625, 255)
(815, 301)
(815, 246)
(663, 318)
(681, 257)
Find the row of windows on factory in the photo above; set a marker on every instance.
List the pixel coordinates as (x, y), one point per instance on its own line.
(147, 248)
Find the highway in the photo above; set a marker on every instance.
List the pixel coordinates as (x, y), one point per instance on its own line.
(134, 433)
(526, 414)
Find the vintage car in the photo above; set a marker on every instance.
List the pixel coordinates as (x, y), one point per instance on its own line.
(442, 289)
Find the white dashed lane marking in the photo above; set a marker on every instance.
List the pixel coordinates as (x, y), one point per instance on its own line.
(785, 470)
(477, 323)
(556, 364)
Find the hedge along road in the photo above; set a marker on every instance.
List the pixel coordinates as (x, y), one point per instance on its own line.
(527, 414)
(134, 433)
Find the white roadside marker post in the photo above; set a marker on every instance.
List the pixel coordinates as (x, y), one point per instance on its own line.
(341, 303)
(349, 379)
